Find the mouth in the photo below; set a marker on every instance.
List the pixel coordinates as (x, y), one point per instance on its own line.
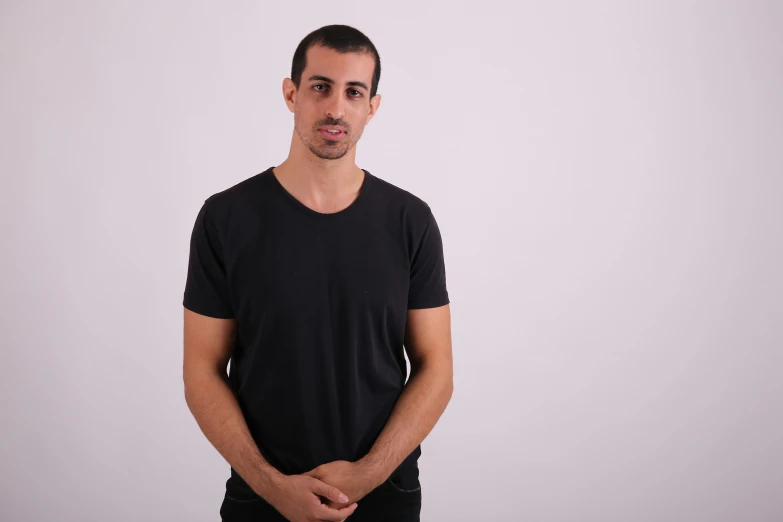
(332, 133)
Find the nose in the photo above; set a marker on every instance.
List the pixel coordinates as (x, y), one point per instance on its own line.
(335, 108)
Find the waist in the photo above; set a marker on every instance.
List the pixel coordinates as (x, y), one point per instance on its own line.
(406, 474)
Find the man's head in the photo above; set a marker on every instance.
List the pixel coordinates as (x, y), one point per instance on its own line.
(334, 82)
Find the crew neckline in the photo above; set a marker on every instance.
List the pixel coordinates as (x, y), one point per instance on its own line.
(358, 201)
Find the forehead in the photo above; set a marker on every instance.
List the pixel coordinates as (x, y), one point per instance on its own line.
(340, 67)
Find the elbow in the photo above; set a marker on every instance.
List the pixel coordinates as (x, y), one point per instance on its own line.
(187, 390)
(198, 379)
(440, 376)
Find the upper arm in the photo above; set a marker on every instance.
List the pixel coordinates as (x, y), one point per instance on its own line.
(209, 321)
(428, 322)
(207, 289)
(208, 343)
(428, 337)
(427, 286)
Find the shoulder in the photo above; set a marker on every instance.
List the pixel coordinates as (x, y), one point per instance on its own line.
(401, 201)
(239, 199)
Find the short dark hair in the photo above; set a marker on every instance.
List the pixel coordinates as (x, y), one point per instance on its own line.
(341, 38)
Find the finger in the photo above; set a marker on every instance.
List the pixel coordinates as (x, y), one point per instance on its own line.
(347, 511)
(336, 505)
(335, 515)
(330, 492)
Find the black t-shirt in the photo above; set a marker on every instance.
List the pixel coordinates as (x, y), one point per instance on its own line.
(320, 302)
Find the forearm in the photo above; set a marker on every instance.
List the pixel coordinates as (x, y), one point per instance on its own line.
(420, 405)
(217, 413)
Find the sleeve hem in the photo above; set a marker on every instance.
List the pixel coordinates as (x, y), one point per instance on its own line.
(208, 312)
(435, 303)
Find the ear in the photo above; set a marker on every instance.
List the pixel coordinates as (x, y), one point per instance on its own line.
(375, 102)
(289, 93)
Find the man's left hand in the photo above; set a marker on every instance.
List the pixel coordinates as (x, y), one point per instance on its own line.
(352, 478)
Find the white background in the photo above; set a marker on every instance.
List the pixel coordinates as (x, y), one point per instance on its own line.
(608, 180)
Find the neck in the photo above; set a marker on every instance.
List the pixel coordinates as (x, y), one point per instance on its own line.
(320, 178)
(323, 185)
(324, 179)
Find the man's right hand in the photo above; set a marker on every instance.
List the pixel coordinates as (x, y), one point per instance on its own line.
(298, 498)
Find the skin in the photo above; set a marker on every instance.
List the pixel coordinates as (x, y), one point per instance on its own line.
(323, 175)
(334, 90)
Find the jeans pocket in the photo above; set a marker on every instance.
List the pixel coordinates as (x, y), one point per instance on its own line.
(241, 498)
(412, 487)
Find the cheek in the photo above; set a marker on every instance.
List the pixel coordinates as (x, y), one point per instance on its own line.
(357, 120)
(357, 128)
(301, 114)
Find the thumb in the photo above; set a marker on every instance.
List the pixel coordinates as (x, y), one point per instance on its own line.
(315, 472)
(330, 492)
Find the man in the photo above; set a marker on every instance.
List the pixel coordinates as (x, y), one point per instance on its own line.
(313, 277)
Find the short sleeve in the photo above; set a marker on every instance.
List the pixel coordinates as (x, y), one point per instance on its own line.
(206, 286)
(428, 272)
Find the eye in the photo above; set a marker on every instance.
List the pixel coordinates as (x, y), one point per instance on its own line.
(357, 92)
(320, 85)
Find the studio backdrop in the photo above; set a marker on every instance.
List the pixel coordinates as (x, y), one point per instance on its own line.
(608, 182)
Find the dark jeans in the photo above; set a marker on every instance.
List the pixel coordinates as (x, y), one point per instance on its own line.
(386, 503)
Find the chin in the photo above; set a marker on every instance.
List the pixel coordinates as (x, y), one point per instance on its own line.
(329, 152)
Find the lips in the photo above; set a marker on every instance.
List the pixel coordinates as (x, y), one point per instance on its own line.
(331, 132)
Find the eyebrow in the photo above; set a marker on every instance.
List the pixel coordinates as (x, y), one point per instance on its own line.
(317, 78)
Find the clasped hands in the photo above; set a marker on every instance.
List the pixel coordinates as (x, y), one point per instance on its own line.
(329, 492)
(354, 479)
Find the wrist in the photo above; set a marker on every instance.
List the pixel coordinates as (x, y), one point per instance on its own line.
(268, 483)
